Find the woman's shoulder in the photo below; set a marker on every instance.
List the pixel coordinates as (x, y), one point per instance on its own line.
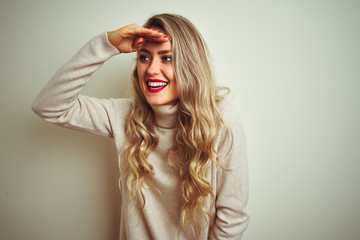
(121, 101)
(122, 106)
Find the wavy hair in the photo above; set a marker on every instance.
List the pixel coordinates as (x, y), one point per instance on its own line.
(199, 121)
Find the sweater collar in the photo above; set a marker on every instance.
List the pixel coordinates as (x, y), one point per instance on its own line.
(166, 115)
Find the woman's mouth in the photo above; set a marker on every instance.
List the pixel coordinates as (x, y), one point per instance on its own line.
(155, 85)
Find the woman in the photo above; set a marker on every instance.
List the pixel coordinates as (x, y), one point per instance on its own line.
(181, 147)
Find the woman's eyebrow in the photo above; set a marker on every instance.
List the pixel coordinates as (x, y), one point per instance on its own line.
(144, 50)
(164, 52)
(159, 52)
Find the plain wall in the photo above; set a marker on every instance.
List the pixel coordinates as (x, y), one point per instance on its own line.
(293, 67)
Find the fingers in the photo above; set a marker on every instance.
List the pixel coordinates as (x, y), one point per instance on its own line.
(135, 31)
(156, 36)
(137, 43)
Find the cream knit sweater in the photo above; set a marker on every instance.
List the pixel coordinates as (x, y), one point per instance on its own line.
(60, 103)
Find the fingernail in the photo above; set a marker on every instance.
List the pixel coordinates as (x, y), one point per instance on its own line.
(141, 42)
(166, 36)
(150, 29)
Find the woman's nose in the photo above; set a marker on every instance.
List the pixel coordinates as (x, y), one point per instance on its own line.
(154, 67)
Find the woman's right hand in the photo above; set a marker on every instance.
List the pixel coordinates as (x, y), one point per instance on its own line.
(131, 37)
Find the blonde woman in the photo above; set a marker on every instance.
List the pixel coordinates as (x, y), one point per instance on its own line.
(181, 147)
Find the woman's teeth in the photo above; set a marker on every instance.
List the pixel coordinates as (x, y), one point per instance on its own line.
(156, 84)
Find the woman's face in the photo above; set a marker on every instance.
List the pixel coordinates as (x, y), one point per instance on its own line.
(156, 73)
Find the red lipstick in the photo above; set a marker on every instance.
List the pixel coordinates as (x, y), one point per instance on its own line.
(155, 85)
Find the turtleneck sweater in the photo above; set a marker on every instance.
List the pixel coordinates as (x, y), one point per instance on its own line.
(165, 115)
(61, 103)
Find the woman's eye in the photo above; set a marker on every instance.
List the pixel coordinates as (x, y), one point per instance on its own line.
(167, 59)
(144, 58)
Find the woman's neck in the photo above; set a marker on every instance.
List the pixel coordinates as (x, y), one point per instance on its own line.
(166, 115)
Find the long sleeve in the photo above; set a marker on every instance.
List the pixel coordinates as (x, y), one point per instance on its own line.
(60, 102)
(232, 186)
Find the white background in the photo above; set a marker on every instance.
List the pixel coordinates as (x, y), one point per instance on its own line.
(294, 70)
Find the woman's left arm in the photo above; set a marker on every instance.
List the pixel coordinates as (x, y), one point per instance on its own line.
(232, 192)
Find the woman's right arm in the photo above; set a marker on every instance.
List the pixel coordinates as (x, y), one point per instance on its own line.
(60, 102)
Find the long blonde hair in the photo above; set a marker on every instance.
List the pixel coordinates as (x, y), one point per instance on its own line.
(199, 121)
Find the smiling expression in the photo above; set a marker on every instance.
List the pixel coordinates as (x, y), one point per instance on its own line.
(156, 73)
